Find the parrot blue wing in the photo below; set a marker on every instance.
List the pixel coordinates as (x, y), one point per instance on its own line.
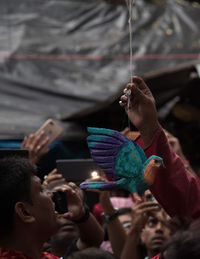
(115, 154)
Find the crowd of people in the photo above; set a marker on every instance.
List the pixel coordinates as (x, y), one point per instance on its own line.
(164, 223)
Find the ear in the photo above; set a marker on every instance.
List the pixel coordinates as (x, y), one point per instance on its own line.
(23, 211)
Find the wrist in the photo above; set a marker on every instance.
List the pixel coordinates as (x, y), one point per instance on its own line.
(109, 211)
(148, 132)
(111, 216)
(135, 231)
(84, 216)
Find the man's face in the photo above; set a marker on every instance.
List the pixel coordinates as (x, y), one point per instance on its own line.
(156, 231)
(43, 209)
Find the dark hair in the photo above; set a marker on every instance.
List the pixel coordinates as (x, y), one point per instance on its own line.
(15, 184)
(124, 210)
(184, 244)
(92, 253)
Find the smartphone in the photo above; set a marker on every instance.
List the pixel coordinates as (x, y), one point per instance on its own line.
(52, 130)
(152, 198)
(60, 201)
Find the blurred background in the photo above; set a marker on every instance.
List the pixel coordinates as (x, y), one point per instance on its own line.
(69, 60)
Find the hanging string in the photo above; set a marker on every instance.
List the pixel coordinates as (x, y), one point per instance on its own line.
(130, 4)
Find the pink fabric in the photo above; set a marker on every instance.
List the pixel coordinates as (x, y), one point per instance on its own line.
(121, 202)
(175, 188)
(106, 245)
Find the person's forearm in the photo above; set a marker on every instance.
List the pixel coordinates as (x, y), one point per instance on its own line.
(147, 133)
(114, 226)
(117, 236)
(130, 250)
(91, 233)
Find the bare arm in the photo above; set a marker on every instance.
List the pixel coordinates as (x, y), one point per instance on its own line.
(91, 233)
(139, 217)
(116, 232)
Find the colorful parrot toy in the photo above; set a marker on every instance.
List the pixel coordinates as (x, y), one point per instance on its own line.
(121, 159)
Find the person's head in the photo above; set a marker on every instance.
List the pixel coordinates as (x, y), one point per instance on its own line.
(185, 242)
(91, 253)
(155, 232)
(23, 203)
(15, 186)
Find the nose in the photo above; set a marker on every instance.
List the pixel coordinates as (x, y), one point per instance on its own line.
(159, 226)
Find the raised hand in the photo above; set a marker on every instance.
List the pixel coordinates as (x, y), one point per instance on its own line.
(53, 179)
(142, 110)
(37, 148)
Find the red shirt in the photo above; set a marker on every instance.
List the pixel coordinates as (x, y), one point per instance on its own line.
(175, 188)
(156, 257)
(12, 254)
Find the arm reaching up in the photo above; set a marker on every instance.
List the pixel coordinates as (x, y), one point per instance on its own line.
(175, 188)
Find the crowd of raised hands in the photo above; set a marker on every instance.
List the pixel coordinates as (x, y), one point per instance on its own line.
(147, 230)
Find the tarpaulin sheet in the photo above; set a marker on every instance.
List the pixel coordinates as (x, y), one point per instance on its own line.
(58, 58)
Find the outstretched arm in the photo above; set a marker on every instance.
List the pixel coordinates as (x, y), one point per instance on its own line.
(116, 232)
(174, 187)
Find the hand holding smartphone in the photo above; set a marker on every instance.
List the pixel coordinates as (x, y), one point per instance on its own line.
(38, 143)
(51, 130)
(60, 201)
